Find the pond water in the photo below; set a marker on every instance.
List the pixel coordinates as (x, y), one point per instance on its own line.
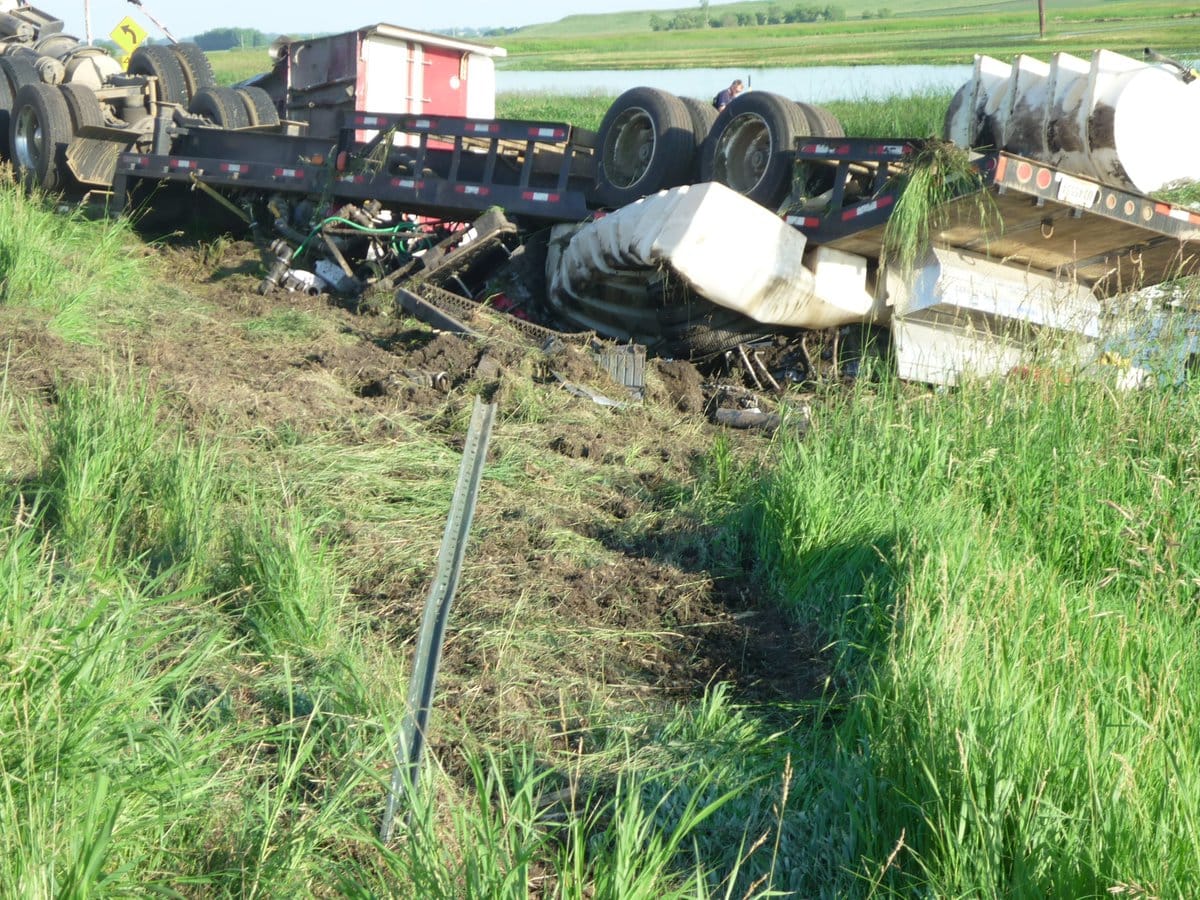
(814, 84)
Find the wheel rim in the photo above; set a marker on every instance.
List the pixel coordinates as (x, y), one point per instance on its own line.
(744, 151)
(29, 144)
(629, 148)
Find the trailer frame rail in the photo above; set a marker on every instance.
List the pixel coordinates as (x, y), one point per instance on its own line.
(434, 165)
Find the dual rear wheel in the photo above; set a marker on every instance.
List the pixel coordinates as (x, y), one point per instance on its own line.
(244, 107)
(43, 121)
(651, 140)
(38, 121)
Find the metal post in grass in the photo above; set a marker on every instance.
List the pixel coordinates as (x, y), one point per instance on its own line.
(410, 743)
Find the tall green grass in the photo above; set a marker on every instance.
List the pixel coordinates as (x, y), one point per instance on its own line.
(190, 708)
(232, 66)
(122, 490)
(146, 743)
(60, 263)
(582, 112)
(916, 115)
(1007, 576)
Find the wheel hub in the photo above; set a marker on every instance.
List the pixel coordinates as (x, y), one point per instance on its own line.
(630, 148)
(28, 140)
(744, 153)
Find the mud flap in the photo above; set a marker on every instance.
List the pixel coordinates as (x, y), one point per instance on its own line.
(92, 155)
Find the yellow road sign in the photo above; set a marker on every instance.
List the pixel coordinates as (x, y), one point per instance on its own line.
(128, 34)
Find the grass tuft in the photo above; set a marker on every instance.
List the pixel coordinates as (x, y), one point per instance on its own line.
(122, 488)
(282, 581)
(935, 174)
(60, 263)
(285, 325)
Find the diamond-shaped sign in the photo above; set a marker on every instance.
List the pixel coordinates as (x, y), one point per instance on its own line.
(128, 35)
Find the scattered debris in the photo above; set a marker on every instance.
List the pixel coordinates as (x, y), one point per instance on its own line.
(532, 230)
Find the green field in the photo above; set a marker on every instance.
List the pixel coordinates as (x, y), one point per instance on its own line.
(919, 31)
(934, 36)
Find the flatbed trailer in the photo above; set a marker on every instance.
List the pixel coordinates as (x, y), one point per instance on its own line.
(1033, 258)
(1037, 270)
(1038, 217)
(444, 166)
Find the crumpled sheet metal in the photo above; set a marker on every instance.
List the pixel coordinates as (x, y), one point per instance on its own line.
(726, 248)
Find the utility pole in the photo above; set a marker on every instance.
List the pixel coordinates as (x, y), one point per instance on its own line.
(1042, 18)
(87, 20)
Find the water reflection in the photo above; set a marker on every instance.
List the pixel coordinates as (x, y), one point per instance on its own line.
(815, 84)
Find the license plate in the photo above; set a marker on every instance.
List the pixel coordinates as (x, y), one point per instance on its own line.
(1076, 192)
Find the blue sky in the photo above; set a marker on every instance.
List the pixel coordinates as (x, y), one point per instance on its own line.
(187, 17)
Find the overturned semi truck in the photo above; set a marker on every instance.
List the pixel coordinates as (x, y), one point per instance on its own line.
(1043, 258)
(684, 229)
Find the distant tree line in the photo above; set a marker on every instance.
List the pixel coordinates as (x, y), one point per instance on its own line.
(239, 38)
(772, 15)
(232, 38)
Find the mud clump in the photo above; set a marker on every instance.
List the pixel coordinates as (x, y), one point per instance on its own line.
(579, 446)
(682, 385)
(447, 353)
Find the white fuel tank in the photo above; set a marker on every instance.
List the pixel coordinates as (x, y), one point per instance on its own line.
(1121, 121)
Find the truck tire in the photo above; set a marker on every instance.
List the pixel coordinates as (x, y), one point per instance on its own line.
(19, 71)
(822, 122)
(15, 72)
(703, 114)
(196, 68)
(707, 340)
(39, 131)
(645, 144)
(158, 61)
(56, 45)
(7, 98)
(752, 146)
(82, 105)
(260, 108)
(222, 106)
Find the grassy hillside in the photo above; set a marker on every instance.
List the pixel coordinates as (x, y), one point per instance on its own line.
(1026, 10)
(933, 36)
(918, 31)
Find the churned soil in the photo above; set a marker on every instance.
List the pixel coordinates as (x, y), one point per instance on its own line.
(611, 594)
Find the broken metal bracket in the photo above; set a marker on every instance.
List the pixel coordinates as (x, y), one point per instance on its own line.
(429, 314)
